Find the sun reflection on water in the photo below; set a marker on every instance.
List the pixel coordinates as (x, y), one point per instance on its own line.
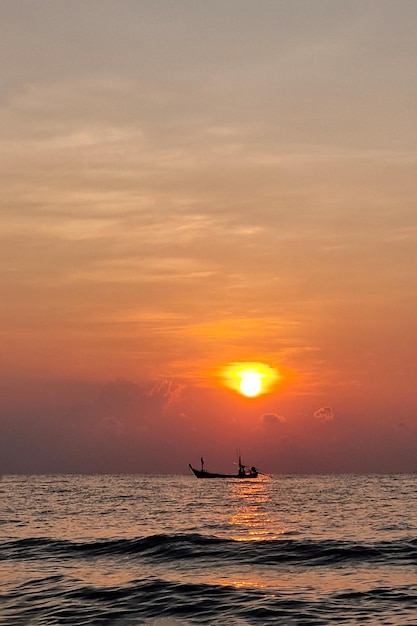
(253, 518)
(247, 583)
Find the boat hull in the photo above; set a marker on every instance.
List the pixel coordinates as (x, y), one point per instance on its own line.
(205, 474)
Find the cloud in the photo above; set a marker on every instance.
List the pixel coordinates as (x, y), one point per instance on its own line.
(272, 419)
(124, 406)
(325, 414)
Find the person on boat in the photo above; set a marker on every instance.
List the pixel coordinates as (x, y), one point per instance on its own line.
(202, 464)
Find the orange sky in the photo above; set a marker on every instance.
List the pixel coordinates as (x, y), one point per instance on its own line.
(187, 185)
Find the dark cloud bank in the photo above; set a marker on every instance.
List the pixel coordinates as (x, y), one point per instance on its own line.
(124, 427)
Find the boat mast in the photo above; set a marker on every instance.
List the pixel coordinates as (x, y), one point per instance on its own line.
(241, 467)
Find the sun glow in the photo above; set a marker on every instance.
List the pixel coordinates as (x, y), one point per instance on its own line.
(251, 384)
(250, 379)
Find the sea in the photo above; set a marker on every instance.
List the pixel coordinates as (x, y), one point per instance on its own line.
(124, 550)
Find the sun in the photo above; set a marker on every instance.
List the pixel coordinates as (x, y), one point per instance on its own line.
(251, 384)
(250, 379)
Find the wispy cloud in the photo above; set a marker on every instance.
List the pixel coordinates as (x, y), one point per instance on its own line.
(325, 414)
(272, 419)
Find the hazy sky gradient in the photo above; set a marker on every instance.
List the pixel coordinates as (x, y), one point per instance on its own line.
(186, 184)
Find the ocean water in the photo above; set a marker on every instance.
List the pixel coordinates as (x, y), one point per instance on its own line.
(172, 550)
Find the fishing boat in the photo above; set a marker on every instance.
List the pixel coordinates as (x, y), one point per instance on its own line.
(242, 472)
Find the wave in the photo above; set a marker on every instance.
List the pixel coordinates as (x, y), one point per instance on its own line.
(163, 597)
(56, 600)
(169, 547)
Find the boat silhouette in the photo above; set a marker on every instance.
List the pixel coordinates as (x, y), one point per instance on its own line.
(243, 472)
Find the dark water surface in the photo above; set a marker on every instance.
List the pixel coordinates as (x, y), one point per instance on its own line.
(169, 550)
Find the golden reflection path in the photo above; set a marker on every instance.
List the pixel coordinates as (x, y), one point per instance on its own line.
(253, 517)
